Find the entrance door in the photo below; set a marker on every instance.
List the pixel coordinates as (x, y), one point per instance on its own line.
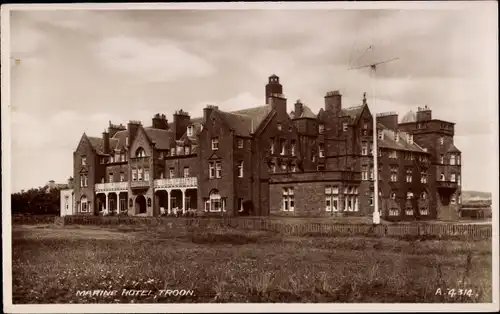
(140, 204)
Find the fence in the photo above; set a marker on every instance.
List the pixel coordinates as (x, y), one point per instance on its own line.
(33, 219)
(417, 230)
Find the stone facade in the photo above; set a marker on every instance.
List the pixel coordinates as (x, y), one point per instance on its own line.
(265, 160)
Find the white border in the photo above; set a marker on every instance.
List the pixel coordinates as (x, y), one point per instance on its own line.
(232, 307)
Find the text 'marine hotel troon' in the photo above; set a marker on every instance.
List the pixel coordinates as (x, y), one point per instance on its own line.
(267, 161)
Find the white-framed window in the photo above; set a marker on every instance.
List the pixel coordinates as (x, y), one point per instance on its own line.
(321, 128)
(283, 167)
(83, 204)
(84, 160)
(458, 159)
(172, 151)
(393, 154)
(394, 173)
(423, 196)
(134, 174)
(410, 139)
(380, 134)
(139, 174)
(458, 180)
(215, 143)
(279, 126)
(321, 149)
(110, 177)
(122, 176)
(211, 169)
(379, 152)
(331, 198)
(216, 204)
(161, 175)
(189, 130)
(423, 176)
(272, 145)
(240, 169)
(187, 150)
(442, 177)
(240, 205)
(240, 143)
(441, 159)
(140, 152)
(371, 198)
(409, 195)
(186, 172)
(146, 174)
(171, 173)
(453, 177)
(292, 147)
(441, 140)
(364, 172)
(293, 168)
(364, 148)
(396, 136)
(393, 211)
(409, 210)
(344, 126)
(371, 173)
(424, 211)
(218, 169)
(82, 182)
(409, 175)
(453, 199)
(272, 167)
(393, 195)
(452, 159)
(123, 156)
(282, 147)
(288, 199)
(365, 125)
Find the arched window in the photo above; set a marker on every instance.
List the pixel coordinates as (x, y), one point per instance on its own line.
(215, 201)
(441, 177)
(393, 195)
(83, 204)
(140, 152)
(423, 196)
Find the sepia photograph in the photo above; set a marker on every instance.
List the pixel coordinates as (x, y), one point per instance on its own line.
(250, 157)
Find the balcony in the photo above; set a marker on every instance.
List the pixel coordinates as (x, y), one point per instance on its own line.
(139, 184)
(111, 187)
(189, 182)
(446, 184)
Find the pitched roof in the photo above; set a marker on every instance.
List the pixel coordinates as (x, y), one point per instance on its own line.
(246, 121)
(257, 114)
(321, 114)
(388, 141)
(97, 143)
(306, 113)
(453, 149)
(353, 112)
(162, 138)
(119, 140)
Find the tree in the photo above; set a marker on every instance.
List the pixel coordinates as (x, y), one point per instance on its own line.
(36, 201)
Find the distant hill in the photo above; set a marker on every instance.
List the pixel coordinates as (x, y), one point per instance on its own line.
(475, 195)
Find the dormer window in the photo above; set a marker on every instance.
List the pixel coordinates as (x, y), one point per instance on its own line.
(396, 136)
(84, 160)
(140, 153)
(240, 143)
(279, 126)
(187, 150)
(380, 135)
(189, 130)
(410, 139)
(215, 143)
(321, 128)
(344, 126)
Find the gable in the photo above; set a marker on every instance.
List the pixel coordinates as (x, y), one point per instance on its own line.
(141, 140)
(84, 146)
(214, 156)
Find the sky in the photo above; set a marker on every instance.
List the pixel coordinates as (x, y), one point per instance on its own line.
(80, 69)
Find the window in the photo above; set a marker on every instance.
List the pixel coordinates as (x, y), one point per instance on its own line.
(409, 195)
(292, 148)
(172, 151)
(215, 202)
(350, 199)
(371, 198)
(190, 130)
(187, 202)
(240, 143)
(279, 126)
(313, 156)
(294, 168)
(394, 173)
(272, 168)
(140, 153)
(370, 149)
(409, 209)
(441, 177)
(139, 174)
(409, 175)
(364, 172)
(458, 179)
(321, 149)
(452, 159)
(453, 199)
(394, 211)
(283, 146)
(283, 167)
(171, 173)
(211, 169)
(393, 195)
(371, 173)
(218, 169)
(186, 172)
(424, 211)
(110, 177)
(393, 154)
(240, 169)
(441, 159)
(380, 135)
(320, 168)
(83, 204)
(146, 174)
(423, 176)
(122, 176)
(423, 196)
(240, 205)
(441, 140)
(364, 148)
(134, 174)
(344, 126)
(410, 139)
(288, 200)
(321, 128)
(215, 143)
(187, 150)
(272, 145)
(365, 125)
(122, 157)
(452, 177)
(123, 204)
(458, 159)
(396, 136)
(161, 175)
(331, 198)
(84, 160)
(379, 152)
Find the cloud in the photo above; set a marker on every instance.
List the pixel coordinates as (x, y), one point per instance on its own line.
(161, 61)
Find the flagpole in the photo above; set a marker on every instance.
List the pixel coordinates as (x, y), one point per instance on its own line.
(376, 212)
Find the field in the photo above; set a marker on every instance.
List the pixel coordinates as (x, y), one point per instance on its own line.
(50, 264)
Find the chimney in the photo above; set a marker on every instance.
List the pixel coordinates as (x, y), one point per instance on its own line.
(133, 128)
(207, 112)
(113, 129)
(70, 182)
(299, 109)
(278, 103)
(105, 139)
(388, 119)
(424, 114)
(273, 87)
(160, 122)
(333, 102)
(181, 121)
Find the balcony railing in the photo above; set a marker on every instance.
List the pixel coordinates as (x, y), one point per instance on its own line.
(111, 186)
(189, 182)
(446, 184)
(139, 184)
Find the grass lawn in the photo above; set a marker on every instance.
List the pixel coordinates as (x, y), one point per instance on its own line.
(50, 264)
